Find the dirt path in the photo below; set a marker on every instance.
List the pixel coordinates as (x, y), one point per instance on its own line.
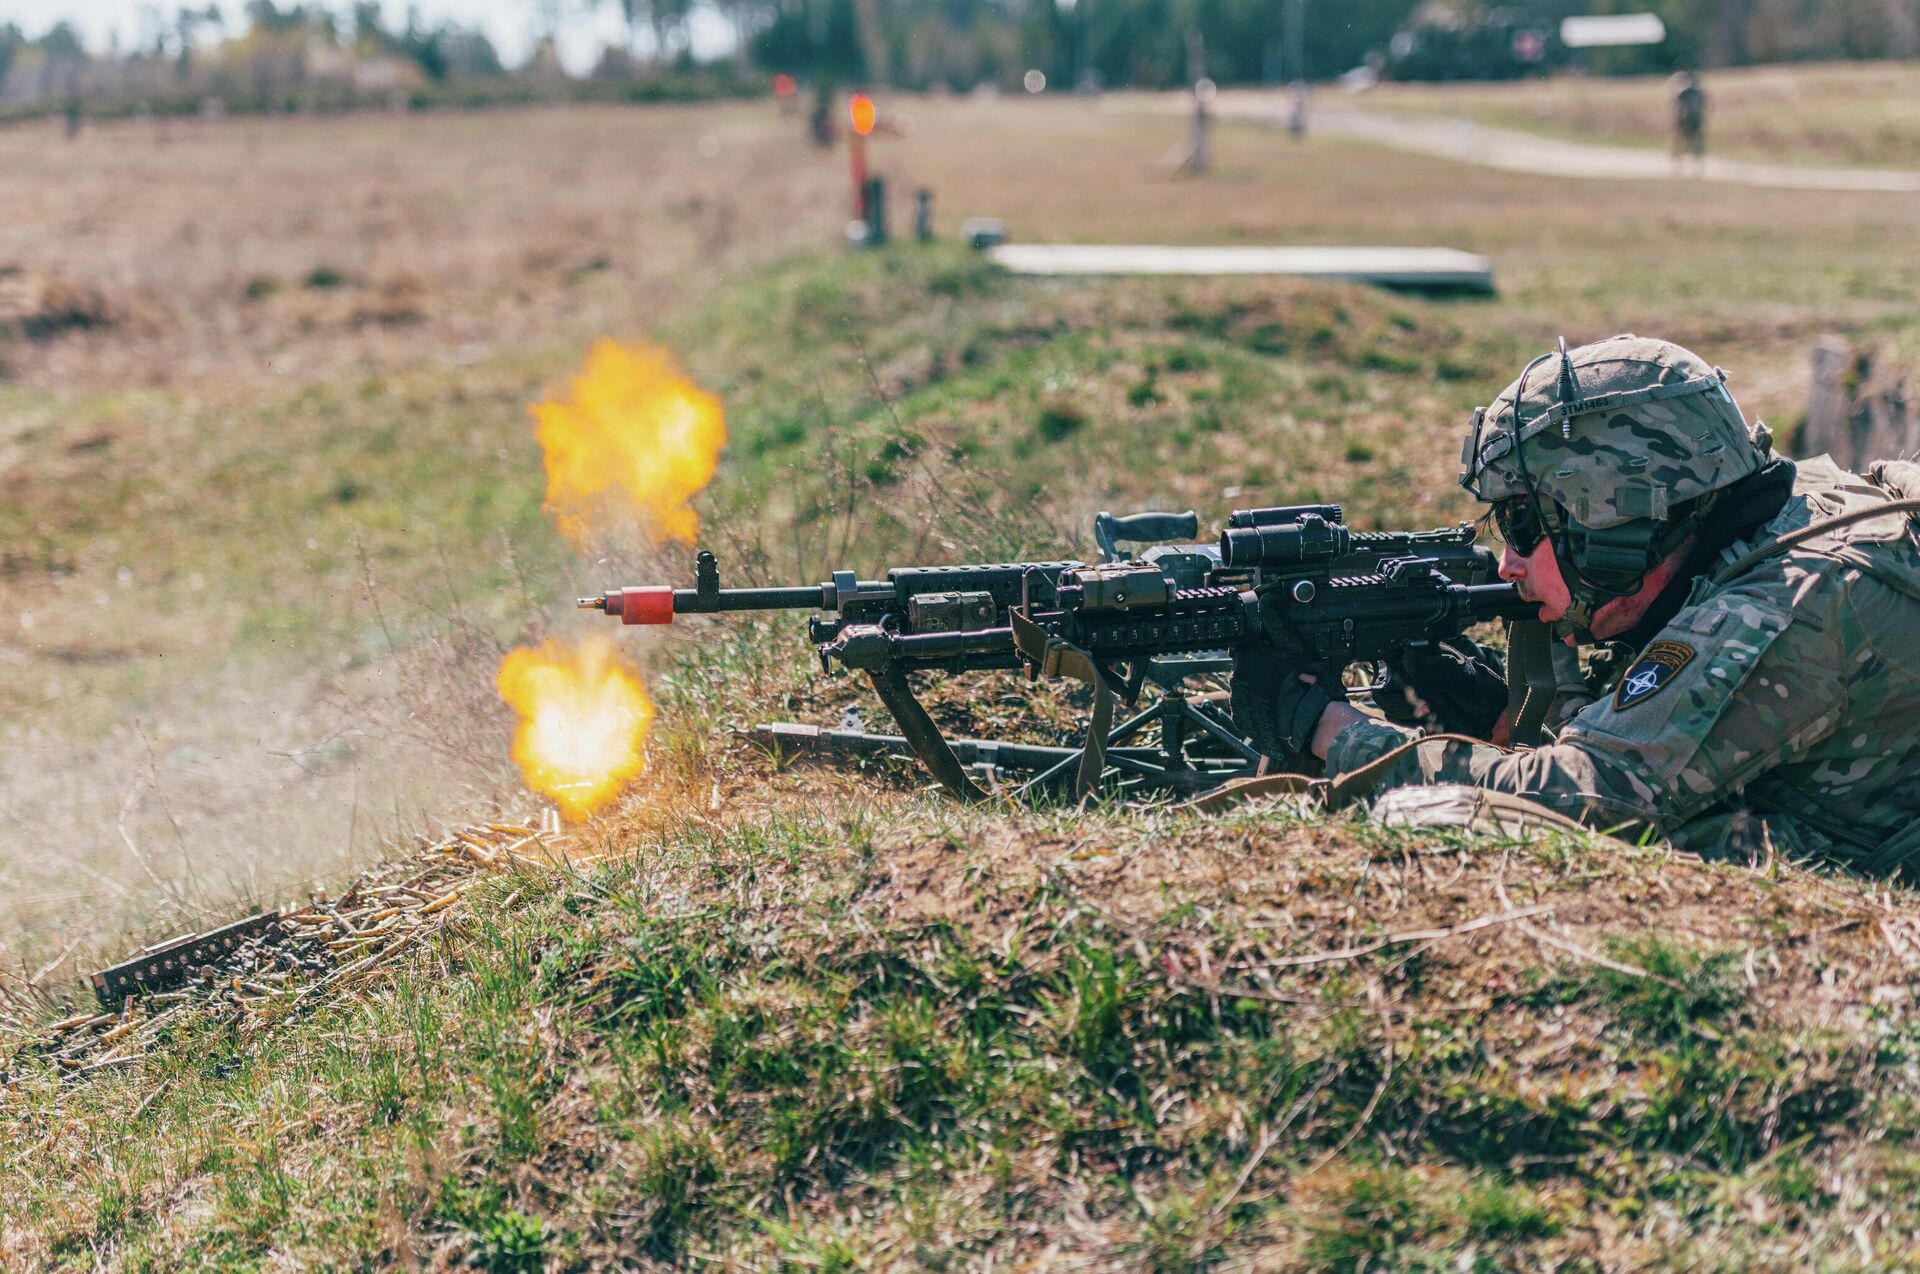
(1515, 151)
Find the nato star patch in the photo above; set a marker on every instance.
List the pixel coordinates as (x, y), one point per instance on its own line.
(1658, 665)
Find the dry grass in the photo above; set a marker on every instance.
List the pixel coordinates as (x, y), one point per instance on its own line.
(208, 670)
(254, 252)
(811, 1023)
(1846, 113)
(194, 497)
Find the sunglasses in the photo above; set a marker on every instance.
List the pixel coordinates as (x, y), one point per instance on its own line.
(1519, 523)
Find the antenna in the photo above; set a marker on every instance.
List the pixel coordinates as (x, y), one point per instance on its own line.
(1569, 389)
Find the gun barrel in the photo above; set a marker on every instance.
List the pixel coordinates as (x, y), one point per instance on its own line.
(658, 603)
(691, 601)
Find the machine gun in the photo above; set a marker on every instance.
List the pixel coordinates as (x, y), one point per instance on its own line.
(1103, 624)
(962, 619)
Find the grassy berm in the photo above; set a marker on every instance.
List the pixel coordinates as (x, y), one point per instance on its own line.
(831, 1020)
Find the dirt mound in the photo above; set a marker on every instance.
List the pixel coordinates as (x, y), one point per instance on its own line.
(40, 305)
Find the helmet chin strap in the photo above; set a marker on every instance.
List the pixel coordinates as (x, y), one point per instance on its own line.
(1630, 553)
(1577, 622)
(1584, 598)
(1581, 603)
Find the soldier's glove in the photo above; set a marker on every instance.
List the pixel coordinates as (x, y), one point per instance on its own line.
(1274, 705)
(1463, 687)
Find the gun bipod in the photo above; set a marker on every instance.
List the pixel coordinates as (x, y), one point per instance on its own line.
(1177, 717)
(1195, 752)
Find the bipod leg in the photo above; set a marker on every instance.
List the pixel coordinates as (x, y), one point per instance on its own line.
(1173, 729)
(1054, 657)
(1203, 716)
(1131, 726)
(1049, 774)
(1172, 714)
(922, 735)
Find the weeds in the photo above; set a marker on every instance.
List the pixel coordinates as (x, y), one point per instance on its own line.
(784, 1046)
(1675, 990)
(500, 1239)
(824, 1021)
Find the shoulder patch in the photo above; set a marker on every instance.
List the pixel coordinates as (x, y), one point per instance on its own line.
(1656, 667)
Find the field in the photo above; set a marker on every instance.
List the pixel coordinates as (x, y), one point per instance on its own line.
(1838, 113)
(270, 508)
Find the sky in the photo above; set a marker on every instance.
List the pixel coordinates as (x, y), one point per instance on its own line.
(510, 24)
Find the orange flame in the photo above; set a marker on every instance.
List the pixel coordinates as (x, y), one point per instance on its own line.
(583, 721)
(636, 427)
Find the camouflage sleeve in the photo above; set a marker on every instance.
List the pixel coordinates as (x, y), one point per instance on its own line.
(1563, 777)
(1734, 685)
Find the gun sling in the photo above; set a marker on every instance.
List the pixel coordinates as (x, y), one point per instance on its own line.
(1054, 657)
(1532, 680)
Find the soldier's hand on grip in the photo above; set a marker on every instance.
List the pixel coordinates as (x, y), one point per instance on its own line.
(1462, 687)
(1278, 699)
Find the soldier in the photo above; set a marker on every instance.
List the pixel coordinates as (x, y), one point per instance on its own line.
(1689, 122)
(1771, 701)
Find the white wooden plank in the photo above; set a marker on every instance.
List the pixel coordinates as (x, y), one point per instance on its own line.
(1401, 267)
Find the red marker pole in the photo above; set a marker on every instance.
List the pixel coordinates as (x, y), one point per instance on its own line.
(861, 114)
(859, 152)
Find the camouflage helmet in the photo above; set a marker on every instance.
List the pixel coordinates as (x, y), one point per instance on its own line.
(1617, 431)
(1617, 448)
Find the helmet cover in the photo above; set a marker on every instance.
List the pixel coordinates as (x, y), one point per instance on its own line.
(1619, 430)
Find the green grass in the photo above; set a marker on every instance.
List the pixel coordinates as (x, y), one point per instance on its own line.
(833, 1022)
(752, 1046)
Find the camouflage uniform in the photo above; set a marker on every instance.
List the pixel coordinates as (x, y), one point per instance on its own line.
(1779, 708)
(1689, 117)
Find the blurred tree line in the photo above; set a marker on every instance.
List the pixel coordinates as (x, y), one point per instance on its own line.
(246, 56)
(1143, 43)
(1115, 43)
(308, 55)
(1720, 32)
(295, 54)
(1741, 32)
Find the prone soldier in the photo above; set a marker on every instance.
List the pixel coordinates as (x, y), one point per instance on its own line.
(1772, 699)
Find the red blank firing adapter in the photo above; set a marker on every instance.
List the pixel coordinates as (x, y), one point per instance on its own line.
(645, 604)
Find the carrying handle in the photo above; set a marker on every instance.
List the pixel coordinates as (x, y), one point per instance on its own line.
(1109, 532)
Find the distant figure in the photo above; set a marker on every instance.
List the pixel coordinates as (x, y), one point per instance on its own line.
(820, 123)
(923, 215)
(1689, 122)
(1298, 97)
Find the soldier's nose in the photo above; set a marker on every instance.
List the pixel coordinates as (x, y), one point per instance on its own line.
(1513, 567)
